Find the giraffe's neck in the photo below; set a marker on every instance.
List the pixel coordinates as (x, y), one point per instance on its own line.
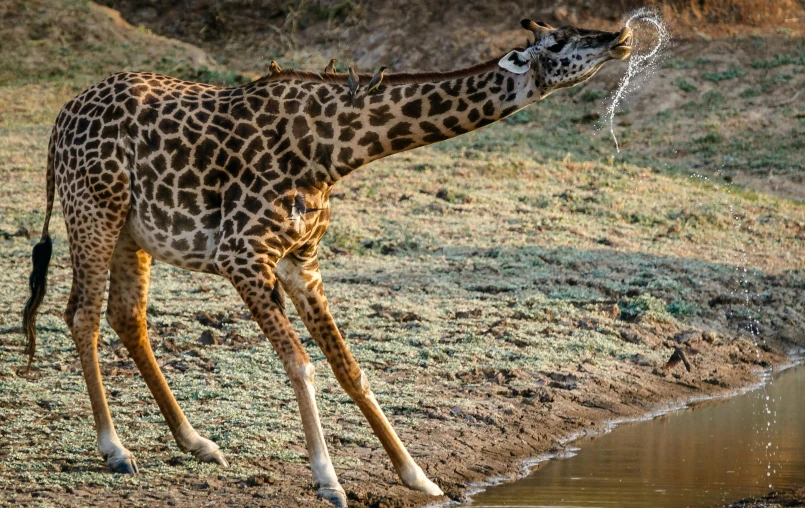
(403, 116)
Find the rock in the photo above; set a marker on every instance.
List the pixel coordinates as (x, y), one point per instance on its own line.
(687, 336)
(209, 339)
(631, 336)
(47, 404)
(466, 314)
(641, 360)
(715, 382)
(545, 395)
(563, 381)
(208, 319)
(541, 394)
(259, 479)
(710, 337)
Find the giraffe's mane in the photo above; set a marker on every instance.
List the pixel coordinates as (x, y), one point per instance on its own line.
(400, 78)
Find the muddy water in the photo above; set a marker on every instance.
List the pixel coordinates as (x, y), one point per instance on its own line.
(706, 455)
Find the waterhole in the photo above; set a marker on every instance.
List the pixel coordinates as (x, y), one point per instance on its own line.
(707, 454)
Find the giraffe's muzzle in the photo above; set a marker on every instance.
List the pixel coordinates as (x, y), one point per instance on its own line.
(621, 47)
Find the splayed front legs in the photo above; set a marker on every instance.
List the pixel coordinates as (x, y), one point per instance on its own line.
(303, 283)
(263, 297)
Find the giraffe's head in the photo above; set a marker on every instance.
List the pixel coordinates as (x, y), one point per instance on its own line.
(563, 57)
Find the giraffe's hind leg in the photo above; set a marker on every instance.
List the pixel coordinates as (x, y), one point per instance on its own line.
(91, 251)
(128, 293)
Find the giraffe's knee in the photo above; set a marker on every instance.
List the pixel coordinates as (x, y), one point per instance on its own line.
(358, 387)
(305, 373)
(126, 325)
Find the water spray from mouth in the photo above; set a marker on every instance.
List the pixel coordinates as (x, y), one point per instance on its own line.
(638, 63)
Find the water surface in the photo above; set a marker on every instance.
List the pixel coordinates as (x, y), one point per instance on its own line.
(709, 454)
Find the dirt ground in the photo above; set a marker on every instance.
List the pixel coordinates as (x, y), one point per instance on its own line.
(503, 291)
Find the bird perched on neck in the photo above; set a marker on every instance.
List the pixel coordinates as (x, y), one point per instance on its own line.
(274, 68)
(354, 83)
(330, 69)
(376, 79)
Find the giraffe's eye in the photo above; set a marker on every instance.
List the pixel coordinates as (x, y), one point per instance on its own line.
(556, 48)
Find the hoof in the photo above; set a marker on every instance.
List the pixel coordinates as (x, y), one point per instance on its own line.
(428, 487)
(123, 465)
(336, 496)
(415, 479)
(214, 456)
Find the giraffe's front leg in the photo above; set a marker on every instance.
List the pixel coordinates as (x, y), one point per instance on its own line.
(263, 295)
(303, 281)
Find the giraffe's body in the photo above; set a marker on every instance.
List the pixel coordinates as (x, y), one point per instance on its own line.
(236, 182)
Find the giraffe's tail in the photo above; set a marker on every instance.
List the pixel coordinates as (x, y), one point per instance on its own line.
(40, 256)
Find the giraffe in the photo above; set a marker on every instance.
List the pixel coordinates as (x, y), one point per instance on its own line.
(235, 182)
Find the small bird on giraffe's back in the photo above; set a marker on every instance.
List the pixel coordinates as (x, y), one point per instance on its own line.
(374, 84)
(353, 82)
(330, 69)
(274, 68)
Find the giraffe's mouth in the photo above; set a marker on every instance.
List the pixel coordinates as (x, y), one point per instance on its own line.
(621, 47)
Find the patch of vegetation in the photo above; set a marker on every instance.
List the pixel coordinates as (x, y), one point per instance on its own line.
(713, 100)
(685, 86)
(779, 60)
(645, 308)
(709, 139)
(717, 77)
(344, 237)
(522, 116)
(592, 95)
(749, 92)
(678, 63)
(777, 79)
(681, 308)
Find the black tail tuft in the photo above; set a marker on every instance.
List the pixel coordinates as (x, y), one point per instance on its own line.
(38, 284)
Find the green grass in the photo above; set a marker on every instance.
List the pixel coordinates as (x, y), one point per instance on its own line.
(592, 95)
(779, 60)
(717, 77)
(685, 86)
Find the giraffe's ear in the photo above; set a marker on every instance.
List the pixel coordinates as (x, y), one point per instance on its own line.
(515, 61)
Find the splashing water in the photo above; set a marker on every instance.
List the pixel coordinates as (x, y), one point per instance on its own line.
(638, 64)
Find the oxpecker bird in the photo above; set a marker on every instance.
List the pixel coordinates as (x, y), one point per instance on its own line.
(353, 83)
(330, 69)
(274, 68)
(376, 79)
